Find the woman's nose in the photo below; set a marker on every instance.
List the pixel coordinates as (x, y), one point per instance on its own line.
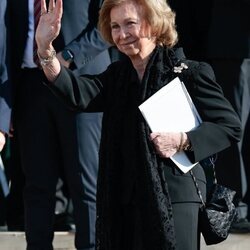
(123, 33)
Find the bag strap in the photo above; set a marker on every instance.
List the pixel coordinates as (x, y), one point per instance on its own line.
(212, 160)
(197, 188)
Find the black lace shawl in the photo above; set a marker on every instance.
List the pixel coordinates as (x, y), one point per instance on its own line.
(155, 204)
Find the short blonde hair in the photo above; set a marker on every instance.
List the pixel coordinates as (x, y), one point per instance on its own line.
(157, 14)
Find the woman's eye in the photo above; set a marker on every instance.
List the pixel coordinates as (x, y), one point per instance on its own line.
(115, 26)
(131, 23)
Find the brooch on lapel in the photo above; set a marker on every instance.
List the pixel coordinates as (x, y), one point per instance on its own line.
(178, 69)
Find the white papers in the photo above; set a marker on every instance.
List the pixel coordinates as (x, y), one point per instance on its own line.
(171, 110)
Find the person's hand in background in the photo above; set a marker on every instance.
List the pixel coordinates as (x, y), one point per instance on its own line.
(2, 140)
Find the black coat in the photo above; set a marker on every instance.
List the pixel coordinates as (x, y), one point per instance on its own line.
(219, 129)
(129, 170)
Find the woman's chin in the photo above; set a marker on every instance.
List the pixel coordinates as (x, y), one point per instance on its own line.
(130, 51)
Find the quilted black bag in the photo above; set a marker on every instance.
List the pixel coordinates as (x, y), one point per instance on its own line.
(218, 213)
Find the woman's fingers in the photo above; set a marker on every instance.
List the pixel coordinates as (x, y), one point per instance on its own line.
(153, 135)
(51, 5)
(165, 143)
(57, 16)
(43, 7)
(59, 9)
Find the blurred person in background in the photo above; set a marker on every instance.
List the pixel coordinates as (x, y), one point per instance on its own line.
(5, 108)
(52, 140)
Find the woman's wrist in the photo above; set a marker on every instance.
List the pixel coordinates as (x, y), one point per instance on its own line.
(184, 142)
(48, 59)
(49, 62)
(45, 51)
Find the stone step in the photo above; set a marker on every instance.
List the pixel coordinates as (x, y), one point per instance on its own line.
(65, 241)
(233, 242)
(16, 241)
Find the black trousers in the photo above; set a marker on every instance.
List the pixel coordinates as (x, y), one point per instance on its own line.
(185, 208)
(186, 225)
(52, 138)
(14, 201)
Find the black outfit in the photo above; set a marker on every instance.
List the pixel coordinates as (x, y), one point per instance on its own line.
(140, 196)
(50, 136)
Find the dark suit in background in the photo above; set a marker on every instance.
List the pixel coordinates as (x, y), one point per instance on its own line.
(192, 20)
(50, 136)
(5, 88)
(219, 32)
(228, 51)
(5, 105)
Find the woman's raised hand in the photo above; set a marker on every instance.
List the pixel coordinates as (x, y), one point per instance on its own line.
(49, 25)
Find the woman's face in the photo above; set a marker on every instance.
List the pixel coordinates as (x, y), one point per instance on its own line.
(129, 31)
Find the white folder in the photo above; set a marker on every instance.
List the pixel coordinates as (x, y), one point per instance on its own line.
(171, 109)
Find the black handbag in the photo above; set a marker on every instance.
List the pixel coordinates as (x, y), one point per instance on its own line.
(217, 214)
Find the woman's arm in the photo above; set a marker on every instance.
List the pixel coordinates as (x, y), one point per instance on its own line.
(80, 93)
(221, 125)
(47, 30)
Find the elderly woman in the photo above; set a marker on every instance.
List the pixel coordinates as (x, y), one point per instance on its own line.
(143, 200)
